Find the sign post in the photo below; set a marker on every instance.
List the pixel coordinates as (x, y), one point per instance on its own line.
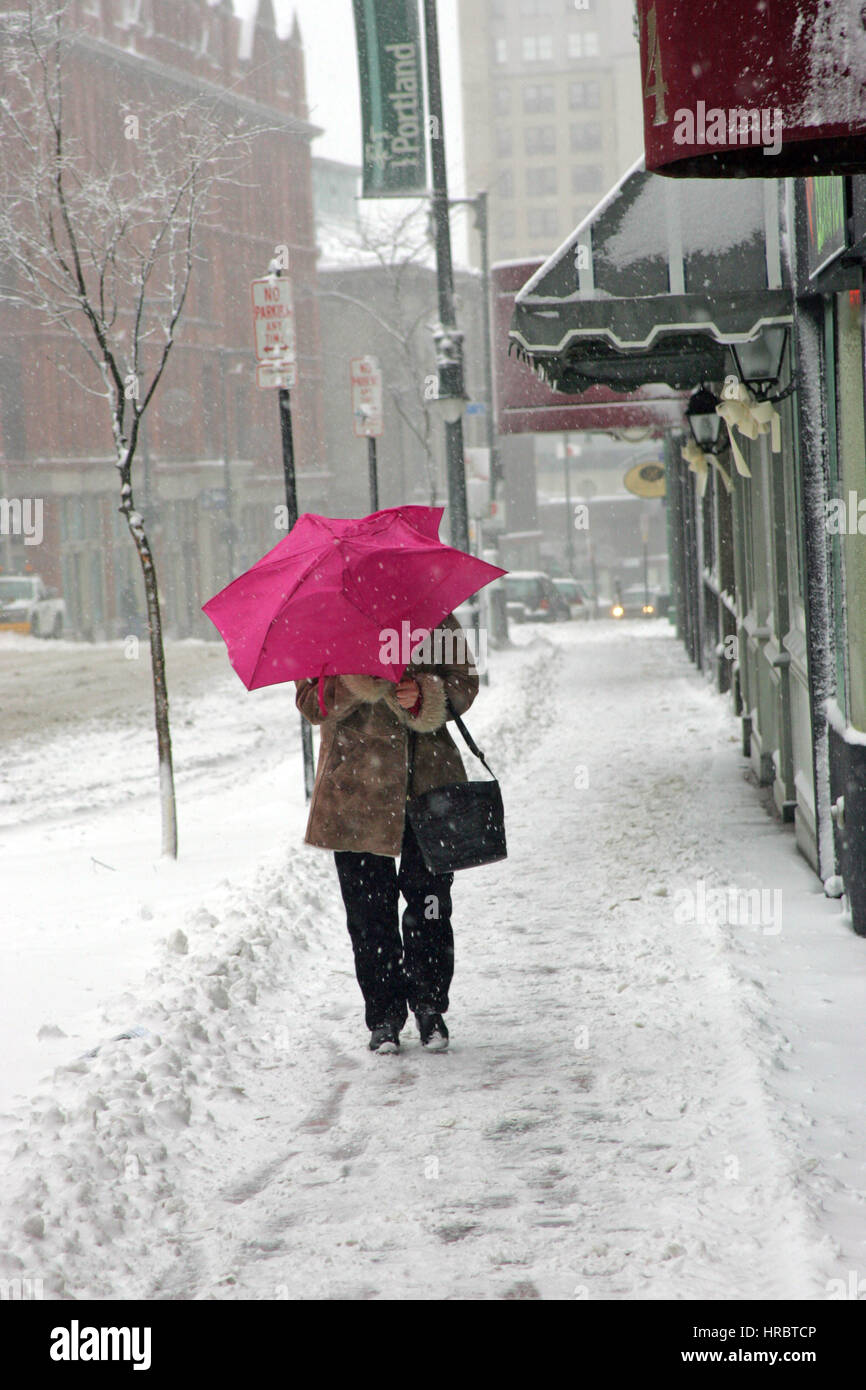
(274, 330)
(367, 414)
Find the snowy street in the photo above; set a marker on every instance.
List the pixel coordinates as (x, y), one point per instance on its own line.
(640, 1101)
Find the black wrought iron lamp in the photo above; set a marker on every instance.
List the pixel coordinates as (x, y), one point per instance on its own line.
(704, 423)
(759, 363)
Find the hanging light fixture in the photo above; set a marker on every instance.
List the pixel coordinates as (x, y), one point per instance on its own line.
(704, 423)
(759, 362)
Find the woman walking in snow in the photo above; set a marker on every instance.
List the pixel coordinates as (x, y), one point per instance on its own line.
(358, 810)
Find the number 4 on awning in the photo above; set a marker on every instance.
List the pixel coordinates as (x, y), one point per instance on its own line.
(655, 85)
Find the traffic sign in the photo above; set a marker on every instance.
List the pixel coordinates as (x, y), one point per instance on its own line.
(273, 319)
(276, 375)
(366, 397)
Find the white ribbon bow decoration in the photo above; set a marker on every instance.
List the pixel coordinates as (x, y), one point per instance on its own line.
(751, 418)
(699, 463)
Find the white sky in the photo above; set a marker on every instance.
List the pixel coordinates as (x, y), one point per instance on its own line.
(328, 31)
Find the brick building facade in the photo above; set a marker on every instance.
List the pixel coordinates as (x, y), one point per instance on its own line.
(210, 453)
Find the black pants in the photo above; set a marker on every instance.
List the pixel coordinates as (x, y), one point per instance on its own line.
(392, 973)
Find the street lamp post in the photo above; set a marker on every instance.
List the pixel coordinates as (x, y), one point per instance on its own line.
(496, 607)
(446, 335)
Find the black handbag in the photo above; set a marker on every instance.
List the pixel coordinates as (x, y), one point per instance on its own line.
(460, 825)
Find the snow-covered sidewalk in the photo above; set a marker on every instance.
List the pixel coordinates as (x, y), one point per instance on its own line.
(640, 1101)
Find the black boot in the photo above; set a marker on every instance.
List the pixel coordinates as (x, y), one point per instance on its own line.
(385, 1038)
(431, 1027)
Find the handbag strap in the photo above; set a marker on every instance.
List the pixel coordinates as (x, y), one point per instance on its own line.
(470, 742)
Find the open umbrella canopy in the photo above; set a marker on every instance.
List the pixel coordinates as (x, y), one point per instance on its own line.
(334, 596)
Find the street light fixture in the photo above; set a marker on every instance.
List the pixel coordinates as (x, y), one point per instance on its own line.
(451, 399)
(704, 423)
(759, 362)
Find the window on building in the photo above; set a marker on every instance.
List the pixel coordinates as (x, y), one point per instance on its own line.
(541, 182)
(586, 136)
(537, 48)
(500, 50)
(583, 45)
(507, 224)
(504, 141)
(501, 100)
(584, 94)
(539, 139)
(587, 178)
(505, 184)
(539, 98)
(541, 222)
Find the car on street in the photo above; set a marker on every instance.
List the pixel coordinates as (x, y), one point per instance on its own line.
(576, 597)
(638, 602)
(532, 597)
(28, 605)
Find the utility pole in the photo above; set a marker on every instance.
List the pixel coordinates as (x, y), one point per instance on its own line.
(373, 472)
(447, 336)
(285, 403)
(227, 481)
(284, 400)
(496, 605)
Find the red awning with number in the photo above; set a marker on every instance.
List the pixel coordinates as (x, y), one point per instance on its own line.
(753, 88)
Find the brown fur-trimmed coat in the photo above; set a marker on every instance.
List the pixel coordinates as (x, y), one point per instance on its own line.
(360, 793)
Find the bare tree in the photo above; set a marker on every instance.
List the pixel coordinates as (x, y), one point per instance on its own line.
(398, 250)
(101, 243)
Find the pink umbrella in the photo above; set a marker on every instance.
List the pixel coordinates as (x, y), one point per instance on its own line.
(325, 599)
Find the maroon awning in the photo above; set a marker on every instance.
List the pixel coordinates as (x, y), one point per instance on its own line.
(726, 80)
(526, 405)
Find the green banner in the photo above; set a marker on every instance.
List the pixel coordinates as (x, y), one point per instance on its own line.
(392, 98)
(826, 221)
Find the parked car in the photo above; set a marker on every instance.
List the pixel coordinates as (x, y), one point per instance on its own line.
(27, 605)
(576, 597)
(532, 597)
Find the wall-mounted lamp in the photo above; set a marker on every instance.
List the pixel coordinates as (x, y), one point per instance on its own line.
(704, 423)
(759, 363)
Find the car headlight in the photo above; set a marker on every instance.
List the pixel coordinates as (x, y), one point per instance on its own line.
(617, 610)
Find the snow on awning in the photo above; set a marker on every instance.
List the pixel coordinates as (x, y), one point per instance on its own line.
(655, 284)
(525, 404)
(753, 88)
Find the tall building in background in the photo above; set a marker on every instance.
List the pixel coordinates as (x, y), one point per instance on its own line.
(551, 110)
